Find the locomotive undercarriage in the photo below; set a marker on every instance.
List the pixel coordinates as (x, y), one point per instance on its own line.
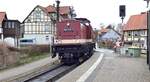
(73, 53)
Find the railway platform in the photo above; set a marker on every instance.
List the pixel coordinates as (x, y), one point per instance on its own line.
(26, 71)
(85, 70)
(112, 68)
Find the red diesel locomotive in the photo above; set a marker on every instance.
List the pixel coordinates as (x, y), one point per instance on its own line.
(74, 40)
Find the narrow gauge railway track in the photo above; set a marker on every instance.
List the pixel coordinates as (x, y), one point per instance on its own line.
(53, 74)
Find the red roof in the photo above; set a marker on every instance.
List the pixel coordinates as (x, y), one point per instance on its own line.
(50, 9)
(103, 30)
(63, 9)
(2, 16)
(136, 22)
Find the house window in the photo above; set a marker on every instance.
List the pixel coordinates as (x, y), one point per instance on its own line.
(47, 27)
(129, 34)
(47, 38)
(142, 32)
(27, 40)
(37, 15)
(136, 33)
(6, 24)
(29, 20)
(13, 25)
(9, 24)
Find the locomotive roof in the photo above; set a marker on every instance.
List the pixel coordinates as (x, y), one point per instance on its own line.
(83, 20)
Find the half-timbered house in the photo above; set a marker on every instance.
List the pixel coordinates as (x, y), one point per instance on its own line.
(135, 31)
(39, 25)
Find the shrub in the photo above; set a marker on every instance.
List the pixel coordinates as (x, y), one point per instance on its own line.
(8, 55)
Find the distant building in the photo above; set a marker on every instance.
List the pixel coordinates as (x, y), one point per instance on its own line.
(12, 29)
(3, 16)
(135, 31)
(39, 25)
(119, 28)
(109, 33)
(103, 31)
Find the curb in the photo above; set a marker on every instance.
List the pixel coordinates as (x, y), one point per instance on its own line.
(87, 74)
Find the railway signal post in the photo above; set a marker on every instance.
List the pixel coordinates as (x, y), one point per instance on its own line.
(122, 14)
(57, 9)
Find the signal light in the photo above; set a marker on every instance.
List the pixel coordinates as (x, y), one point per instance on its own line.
(122, 10)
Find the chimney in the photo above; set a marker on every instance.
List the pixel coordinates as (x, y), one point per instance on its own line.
(53, 5)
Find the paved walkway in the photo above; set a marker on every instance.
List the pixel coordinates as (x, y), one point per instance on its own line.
(117, 68)
(25, 69)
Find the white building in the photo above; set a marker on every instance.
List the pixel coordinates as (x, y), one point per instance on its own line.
(39, 25)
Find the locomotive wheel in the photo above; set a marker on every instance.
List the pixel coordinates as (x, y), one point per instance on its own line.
(67, 58)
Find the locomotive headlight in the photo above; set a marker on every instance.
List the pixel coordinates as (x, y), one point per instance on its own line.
(56, 41)
(87, 24)
(68, 24)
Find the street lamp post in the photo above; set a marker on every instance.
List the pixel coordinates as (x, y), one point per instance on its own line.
(57, 9)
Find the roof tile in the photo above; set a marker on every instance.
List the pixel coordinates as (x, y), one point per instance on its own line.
(50, 9)
(136, 22)
(2, 16)
(63, 9)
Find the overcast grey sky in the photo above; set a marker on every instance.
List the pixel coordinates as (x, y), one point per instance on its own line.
(98, 11)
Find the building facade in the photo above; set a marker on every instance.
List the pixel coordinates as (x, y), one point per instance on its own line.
(135, 31)
(39, 25)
